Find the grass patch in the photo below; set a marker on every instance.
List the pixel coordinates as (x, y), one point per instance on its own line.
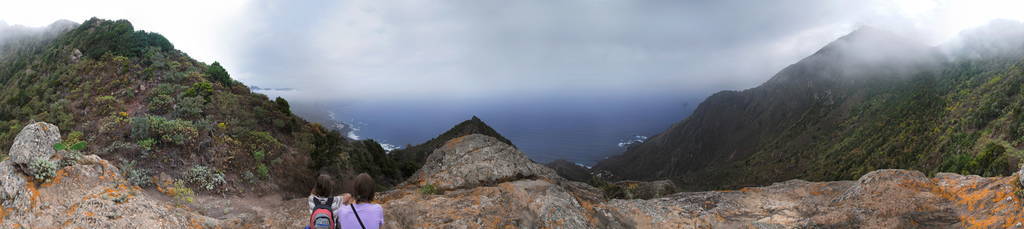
(429, 189)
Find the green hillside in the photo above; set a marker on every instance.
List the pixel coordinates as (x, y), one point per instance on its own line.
(133, 97)
(838, 114)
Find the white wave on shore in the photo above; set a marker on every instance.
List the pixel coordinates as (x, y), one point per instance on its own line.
(637, 139)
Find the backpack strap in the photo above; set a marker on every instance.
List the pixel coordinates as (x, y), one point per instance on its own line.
(326, 204)
(357, 215)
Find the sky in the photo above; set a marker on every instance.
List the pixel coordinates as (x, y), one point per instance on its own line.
(402, 50)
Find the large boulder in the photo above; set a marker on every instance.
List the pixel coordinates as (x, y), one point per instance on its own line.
(36, 140)
(482, 182)
(475, 160)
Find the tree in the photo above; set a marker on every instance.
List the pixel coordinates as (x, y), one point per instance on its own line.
(218, 74)
(283, 105)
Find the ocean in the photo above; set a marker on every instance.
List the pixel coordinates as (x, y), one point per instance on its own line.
(578, 129)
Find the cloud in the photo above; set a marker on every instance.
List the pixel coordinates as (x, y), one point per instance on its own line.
(374, 50)
(369, 50)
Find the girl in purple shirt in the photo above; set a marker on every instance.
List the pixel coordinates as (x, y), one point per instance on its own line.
(362, 214)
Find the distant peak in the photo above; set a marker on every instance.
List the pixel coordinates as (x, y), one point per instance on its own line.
(871, 38)
(870, 34)
(475, 126)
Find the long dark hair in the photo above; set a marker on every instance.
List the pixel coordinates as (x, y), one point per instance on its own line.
(324, 186)
(363, 186)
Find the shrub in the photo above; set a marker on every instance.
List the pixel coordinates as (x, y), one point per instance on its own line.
(263, 171)
(258, 155)
(204, 177)
(97, 37)
(77, 146)
(248, 177)
(140, 128)
(135, 176)
(161, 104)
(202, 89)
(165, 89)
(991, 161)
(181, 192)
(429, 189)
(190, 107)
(74, 137)
(147, 144)
(42, 169)
(282, 105)
(106, 103)
(218, 74)
(261, 140)
(73, 142)
(172, 131)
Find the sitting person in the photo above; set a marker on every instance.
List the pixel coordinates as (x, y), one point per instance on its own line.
(363, 213)
(323, 203)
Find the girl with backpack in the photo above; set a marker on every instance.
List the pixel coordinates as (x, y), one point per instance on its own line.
(323, 203)
(361, 214)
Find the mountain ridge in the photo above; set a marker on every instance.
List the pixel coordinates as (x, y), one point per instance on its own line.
(821, 110)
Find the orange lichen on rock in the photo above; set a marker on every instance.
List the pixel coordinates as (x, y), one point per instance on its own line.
(453, 142)
(194, 223)
(72, 209)
(56, 178)
(988, 222)
(34, 197)
(988, 202)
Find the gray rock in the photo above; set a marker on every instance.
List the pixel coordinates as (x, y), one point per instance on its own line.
(475, 160)
(1020, 176)
(13, 194)
(34, 141)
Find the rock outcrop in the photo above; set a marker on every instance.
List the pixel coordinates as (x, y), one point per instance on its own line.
(88, 194)
(34, 141)
(482, 182)
(476, 160)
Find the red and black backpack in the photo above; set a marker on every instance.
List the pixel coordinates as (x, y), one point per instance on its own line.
(322, 217)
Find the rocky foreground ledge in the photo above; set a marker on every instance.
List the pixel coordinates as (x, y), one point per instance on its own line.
(477, 181)
(530, 196)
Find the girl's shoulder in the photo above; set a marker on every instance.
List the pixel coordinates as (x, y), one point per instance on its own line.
(374, 207)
